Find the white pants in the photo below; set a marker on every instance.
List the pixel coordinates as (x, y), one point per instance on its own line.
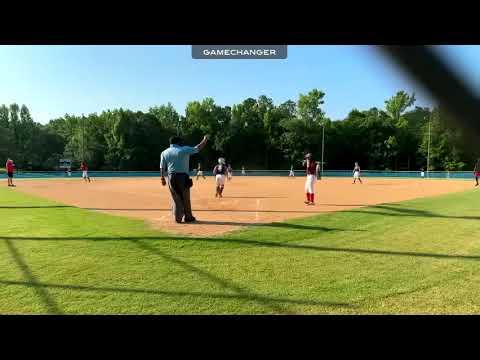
(220, 180)
(85, 174)
(356, 175)
(291, 173)
(310, 184)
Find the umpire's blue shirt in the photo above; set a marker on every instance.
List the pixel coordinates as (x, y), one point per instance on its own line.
(176, 158)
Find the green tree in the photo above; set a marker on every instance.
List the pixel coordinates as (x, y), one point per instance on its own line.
(304, 132)
(309, 109)
(447, 149)
(4, 116)
(14, 120)
(166, 115)
(396, 107)
(398, 104)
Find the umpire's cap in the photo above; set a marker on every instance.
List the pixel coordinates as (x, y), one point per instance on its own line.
(176, 140)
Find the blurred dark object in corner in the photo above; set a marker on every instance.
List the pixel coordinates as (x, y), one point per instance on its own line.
(452, 94)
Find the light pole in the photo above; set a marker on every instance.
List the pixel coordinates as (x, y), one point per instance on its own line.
(428, 148)
(83, 137)
(323, 150)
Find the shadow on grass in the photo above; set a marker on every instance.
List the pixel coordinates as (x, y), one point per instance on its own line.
(277, 305)
(216, 210)
(227, 285)
(277, 225)
(48, 301)
(253, 243)
(241, 292)
(399, 210)
(174, 293)
(393, 210)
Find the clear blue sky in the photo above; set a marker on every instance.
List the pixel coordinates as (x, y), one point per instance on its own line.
(55, 80)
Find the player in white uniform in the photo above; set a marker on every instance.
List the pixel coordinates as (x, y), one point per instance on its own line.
(310, 165)
(243, 171)
(292, 173)
(200, 172)
(356, 173)
(219, 172)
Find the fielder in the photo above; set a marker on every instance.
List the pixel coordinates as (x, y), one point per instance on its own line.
(229, 172)
(292, 173)
(476, 171)
(219, 172)
(311, 179)
(10, 167)
(200, 172)
(84, 168)
(243, 171)
(356, 173)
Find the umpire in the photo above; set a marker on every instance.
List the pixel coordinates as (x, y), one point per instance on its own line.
(174, 161)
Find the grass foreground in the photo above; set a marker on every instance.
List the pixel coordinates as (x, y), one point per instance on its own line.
(420, 256)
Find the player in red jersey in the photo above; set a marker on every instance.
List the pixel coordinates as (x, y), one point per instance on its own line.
(311, 169)
(10, 167)
(84, 168)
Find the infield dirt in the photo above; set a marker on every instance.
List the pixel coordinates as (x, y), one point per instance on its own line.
(247, 201)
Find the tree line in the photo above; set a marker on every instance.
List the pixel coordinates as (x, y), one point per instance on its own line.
(255, 133)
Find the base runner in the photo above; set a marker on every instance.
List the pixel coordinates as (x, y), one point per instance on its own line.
(219, 172)
(84, 168)
(356, 173)
(311, 179)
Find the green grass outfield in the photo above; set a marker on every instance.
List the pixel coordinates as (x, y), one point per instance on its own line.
(420, 256)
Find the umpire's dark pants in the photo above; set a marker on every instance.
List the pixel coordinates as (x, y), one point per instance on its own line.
(177, 182)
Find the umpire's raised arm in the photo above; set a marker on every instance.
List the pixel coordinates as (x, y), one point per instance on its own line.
(202, 143)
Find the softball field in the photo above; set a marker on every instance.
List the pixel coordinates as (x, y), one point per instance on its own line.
(247, 201)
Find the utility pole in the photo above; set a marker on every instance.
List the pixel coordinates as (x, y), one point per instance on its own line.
(83, 137)
(323, 150)
(178, 125)
(428, 149)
